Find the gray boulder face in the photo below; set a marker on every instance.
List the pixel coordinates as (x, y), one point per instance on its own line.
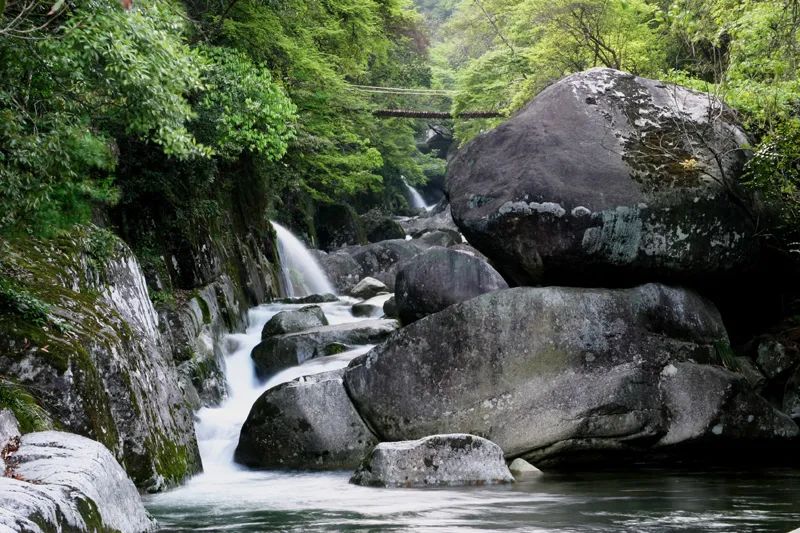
(380, 260)
(338, 225)
(63, 482)
(607, 178)
(443, 238)
(284, 351)
(372, 307)
(306, 423)
(294, 320)
(390, 308)
(775, 358)
(552, 374)
(367, 288)
(791, 396)
(438, 219)
(437, 460)
(439, 278)
(341, 269)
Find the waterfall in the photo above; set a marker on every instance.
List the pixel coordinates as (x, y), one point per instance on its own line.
(300, 272)
(417, 202)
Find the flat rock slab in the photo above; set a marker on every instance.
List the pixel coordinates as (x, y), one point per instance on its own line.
(437, 460)
(284, 351)
(306, 423)
(65, 482)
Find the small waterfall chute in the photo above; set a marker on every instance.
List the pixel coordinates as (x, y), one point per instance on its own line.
(300, 272)
(417, 201)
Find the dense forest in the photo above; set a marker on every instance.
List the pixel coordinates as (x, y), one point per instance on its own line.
(174, 172)
(108, 106)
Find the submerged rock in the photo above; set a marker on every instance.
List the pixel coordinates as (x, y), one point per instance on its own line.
(607, 178)
(294, 320)
(283, 351)
(437, 460)
(367, 288)
(439, 278)
(557, 374)
(306, 423)
(63, 482)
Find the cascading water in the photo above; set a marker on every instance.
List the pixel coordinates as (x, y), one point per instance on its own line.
(300, 272)
(417, 202)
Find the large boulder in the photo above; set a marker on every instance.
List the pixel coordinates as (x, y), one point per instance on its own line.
(283, 351)
(306, 423)
(555, 374)
(443, 460)
(294, 320)
(439, 278)
(59, 481)
(608, 178)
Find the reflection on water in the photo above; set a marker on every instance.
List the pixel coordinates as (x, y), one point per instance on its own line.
(227, 497)
(647, 501)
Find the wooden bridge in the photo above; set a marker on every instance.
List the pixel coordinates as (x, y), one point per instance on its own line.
(416, 113)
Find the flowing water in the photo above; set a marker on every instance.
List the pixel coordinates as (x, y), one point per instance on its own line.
(417, 202)
(227, 497)
(300, 272)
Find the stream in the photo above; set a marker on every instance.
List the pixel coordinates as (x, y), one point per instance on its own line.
(227, 497)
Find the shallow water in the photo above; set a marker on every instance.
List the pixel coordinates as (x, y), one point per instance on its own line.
(227, 497)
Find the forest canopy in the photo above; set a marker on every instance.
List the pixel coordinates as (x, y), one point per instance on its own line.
(105, 103)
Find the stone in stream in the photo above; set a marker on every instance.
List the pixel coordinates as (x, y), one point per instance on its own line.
(439, 278)
(310, 299)
(294, 320)
(367, 288)
(608, 178)
(59, 481)
(437, 219)
(372, 307)
(436, 460)
(306, 423)
(557, 375)
(521, 468)
(390, 308)
(284, 351)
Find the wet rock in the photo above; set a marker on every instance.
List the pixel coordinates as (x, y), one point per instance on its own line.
(605, 179)
(439, 278)
(775, 358)
(521, 468)
(555, 374)
(9, 434)
(443, 238)
(435, 220)
(63, 482)
(791, 396)
(294, 320)
(753, 375)
(390, 308)
(367, 288)
(372, 307)
(340, 268)
(306, 423)
(437, 460)
(283, 351)
(311, 299)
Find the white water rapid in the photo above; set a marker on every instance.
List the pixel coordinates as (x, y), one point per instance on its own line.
(300, 272)
(417, 202)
